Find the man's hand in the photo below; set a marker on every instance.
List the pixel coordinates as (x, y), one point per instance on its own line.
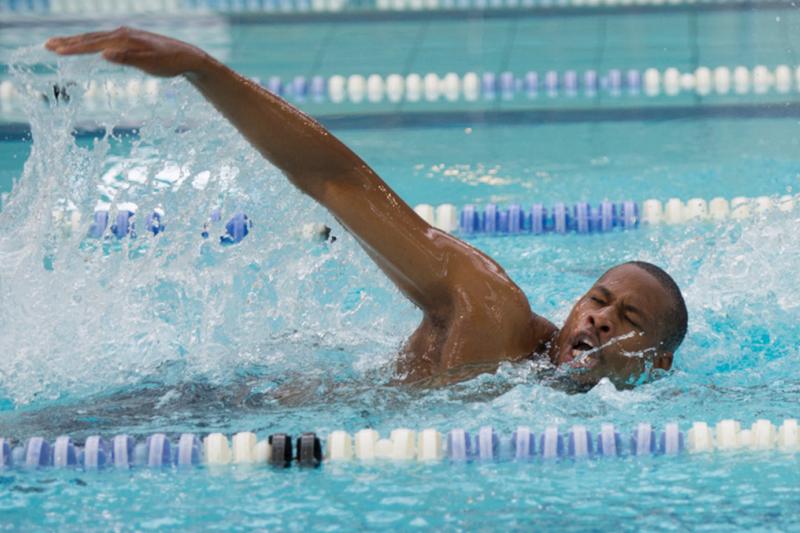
(154, 54)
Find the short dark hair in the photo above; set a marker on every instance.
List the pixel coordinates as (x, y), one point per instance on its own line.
(679, 317)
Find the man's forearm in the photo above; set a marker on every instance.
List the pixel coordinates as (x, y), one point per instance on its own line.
(291, 140)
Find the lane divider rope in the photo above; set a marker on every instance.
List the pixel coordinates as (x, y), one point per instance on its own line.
(603, 217)
(470, 87)
(402, 444)
(119, 221)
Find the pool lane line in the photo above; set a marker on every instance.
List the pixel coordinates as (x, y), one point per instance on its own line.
(120, 220)
(452, 89)
(402, 445)
(601, 217)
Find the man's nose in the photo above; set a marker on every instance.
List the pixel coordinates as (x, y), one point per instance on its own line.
(602, 323)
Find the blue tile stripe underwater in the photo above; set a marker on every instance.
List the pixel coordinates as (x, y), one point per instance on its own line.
(402, 444)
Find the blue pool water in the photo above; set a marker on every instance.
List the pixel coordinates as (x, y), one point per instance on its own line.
(281, 334)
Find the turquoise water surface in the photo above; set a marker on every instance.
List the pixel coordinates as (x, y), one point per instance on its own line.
(283, 334)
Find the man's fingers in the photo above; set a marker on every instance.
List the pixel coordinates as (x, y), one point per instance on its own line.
(86, 43)
(69, 39)
(152, 53)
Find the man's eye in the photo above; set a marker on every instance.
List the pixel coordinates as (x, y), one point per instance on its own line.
(634, 324)
(597, 300)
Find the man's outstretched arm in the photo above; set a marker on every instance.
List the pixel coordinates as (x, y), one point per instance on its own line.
(432, 268)
(413, 254)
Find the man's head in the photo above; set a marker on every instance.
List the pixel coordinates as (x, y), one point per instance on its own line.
(632, 315)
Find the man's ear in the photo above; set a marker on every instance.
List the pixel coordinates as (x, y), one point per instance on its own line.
(663, 361)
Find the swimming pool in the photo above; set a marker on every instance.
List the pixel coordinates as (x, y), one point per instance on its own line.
(278, 333)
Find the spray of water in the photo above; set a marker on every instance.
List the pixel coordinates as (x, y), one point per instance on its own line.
(80, 315)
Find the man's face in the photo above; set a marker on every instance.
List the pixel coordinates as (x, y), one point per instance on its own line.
(615, 328)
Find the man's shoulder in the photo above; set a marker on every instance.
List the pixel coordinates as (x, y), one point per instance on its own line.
(523, 325)
(485, 302)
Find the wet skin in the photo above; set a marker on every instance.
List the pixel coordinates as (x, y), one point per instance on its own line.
(474, 315)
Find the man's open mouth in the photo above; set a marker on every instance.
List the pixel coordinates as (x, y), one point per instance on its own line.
(583, 351)
(582, 345)
(580, 348)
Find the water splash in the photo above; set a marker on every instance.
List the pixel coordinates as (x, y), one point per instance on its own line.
(82, 315)
(744, 299)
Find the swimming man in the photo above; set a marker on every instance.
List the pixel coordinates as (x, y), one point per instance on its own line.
(474, 315)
